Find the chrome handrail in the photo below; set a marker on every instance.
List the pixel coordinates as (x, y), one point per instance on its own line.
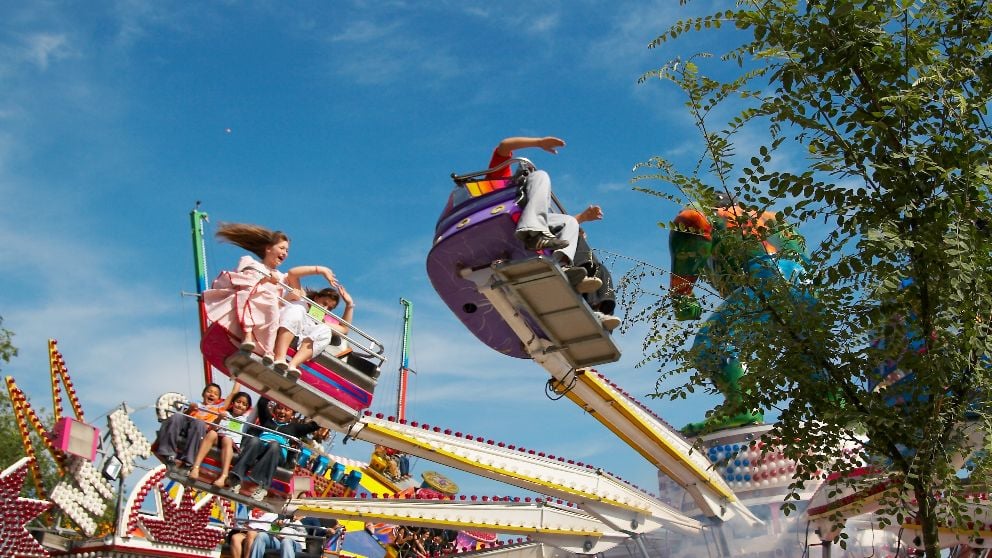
(524, 162)
(178, 405)
(351, 327)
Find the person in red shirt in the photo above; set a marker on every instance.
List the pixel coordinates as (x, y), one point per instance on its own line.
(539, 228)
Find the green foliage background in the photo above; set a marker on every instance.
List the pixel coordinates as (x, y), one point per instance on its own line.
(871, 120)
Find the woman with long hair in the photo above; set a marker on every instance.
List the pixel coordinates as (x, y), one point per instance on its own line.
(247, 301)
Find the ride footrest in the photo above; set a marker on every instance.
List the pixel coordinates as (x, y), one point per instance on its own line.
(538, 287)
(274, 502)
(322, 404)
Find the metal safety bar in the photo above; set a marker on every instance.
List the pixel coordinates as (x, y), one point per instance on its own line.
(178, 405)
(351, 327)
(524, 163)
(373, 342)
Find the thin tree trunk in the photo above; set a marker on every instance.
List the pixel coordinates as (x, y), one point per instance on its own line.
(927, 515)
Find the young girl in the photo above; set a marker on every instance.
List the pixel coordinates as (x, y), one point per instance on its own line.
(231, 426)
(247, 301)
(193, 423)
(314, 336)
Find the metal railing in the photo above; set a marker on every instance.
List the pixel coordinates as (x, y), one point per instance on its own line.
(525, 165)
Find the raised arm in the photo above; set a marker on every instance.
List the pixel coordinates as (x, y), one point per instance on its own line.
(294, 275)
(231, 394)
(349, 310)
(547, 143)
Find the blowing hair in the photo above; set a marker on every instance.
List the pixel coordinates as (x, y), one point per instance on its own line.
(253, 238)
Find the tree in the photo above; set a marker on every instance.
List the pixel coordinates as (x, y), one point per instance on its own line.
(885, 102)
(7, 348)
(11, 448)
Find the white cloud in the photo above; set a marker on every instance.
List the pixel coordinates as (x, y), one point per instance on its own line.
(403, 58)
(542, 23)
(44, 48)
(622, 48)
(609, 187)
(364, 31)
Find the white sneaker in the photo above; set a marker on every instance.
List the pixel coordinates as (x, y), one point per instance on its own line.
(608, 321)
(247, 346)
(259, 494)
(589, 285)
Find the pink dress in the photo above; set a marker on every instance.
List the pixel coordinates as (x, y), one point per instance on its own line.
(239, 301)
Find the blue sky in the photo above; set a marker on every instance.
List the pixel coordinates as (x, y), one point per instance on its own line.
(338, 122)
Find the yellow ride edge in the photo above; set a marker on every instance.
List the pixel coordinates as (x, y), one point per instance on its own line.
(449, 455)
(587, 378)
(398, 520)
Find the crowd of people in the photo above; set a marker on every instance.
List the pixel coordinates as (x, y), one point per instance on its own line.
(253, 536)
(261, 531)
(422, 542)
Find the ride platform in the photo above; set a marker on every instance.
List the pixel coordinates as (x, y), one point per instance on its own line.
(313, 396)
(566, 528)
(552, 317)
(330, 390)
(274, 501)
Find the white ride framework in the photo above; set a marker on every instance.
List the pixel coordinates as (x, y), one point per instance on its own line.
(608, 511)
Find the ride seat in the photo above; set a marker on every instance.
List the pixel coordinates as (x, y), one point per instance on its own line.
(169, 403)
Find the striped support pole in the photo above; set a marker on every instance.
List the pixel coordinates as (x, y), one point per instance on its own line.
(197, 218)
(404, 360)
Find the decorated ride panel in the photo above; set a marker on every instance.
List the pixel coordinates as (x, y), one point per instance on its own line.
(474, 234)
(326, 391)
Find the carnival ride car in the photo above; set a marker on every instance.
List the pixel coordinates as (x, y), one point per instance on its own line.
(475, 254)
(337, 382)
(520, 304)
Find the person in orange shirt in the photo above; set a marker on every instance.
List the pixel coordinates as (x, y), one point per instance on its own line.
(193, 424)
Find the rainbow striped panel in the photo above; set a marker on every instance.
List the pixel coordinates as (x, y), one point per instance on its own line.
(483, 187)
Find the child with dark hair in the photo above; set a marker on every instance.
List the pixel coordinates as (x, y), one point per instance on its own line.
(262, 451)
(192, 424)
(229, 430)
(312, 326)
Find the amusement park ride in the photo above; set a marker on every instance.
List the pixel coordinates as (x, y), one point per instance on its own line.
(520, 304)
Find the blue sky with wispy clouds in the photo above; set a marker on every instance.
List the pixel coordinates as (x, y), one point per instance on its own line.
(340, 123)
